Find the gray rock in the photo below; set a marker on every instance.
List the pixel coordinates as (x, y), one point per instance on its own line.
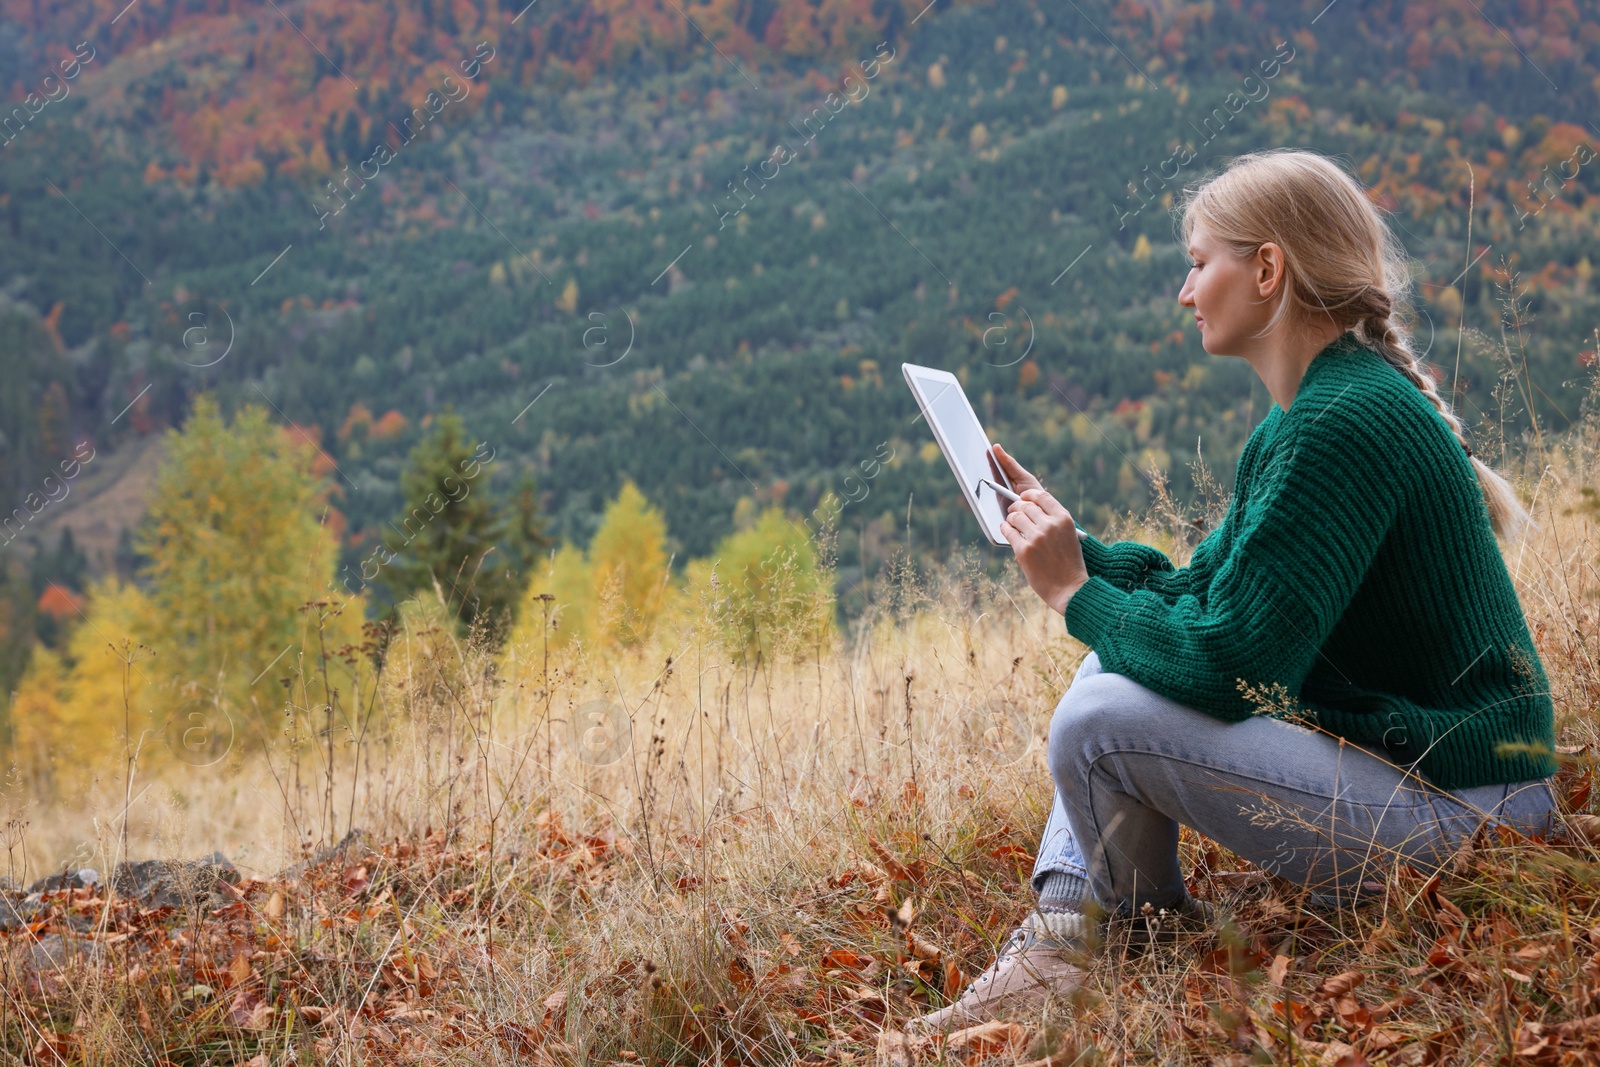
(354, 845)
(78, 879)
(173, 883)
(54, 952)
(15, 911)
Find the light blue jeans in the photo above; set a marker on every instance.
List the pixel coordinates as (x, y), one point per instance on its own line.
(1130, 765)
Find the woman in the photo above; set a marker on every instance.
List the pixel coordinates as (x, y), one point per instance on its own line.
(1356, 576)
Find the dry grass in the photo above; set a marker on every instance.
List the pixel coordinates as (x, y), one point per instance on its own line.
(787, 858)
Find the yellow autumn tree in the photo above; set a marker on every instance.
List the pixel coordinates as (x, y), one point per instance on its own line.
(615, 594)
(241, 563)
(763, 590)
(238, 597)
(628, 569)
(77, 711)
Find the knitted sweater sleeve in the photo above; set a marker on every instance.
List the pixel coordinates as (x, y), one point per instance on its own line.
(1318, 508)
(1129, 565)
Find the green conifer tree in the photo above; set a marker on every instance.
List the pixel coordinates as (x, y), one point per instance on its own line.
(453, 532)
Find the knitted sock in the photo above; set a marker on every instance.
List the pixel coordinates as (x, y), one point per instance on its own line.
(1063, 891)
(1066, 928)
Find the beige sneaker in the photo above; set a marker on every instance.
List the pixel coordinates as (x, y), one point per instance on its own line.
(1038, 961)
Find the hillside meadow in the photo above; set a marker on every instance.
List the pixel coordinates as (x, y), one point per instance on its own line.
(682, 851)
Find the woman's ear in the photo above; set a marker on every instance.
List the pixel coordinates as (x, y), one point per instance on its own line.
(1269, 268)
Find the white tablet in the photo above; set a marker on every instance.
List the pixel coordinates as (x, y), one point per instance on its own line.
(961, 438)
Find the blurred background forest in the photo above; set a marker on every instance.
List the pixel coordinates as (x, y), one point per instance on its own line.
(274, 279)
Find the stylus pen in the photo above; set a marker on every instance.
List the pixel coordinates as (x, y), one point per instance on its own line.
(1007, 495)
(1000, 491)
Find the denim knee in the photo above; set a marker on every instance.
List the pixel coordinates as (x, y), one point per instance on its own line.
(1086, 715)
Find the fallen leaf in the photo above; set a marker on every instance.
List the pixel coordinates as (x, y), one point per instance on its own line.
(1231, 959)
(517, 1039)
(734, 926)
(867, 1004)
(986, 1039)
(1383, 1040)
(1352, 1013)
(1239, 879)
(954, 980)
(1277, 970)
(1450, 913)
(1016, 852)
(893, 1050)
(355, 879)
(1339, 985)
(843, 957)
(1585, 827)
(1534, 1049)
(897, 870)
(1330, 1053)
(52, 1047)
(870, 873)
(1578, 1027)
(555, 1010)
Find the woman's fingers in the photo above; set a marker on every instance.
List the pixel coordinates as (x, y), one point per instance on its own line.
(1024, 519)
(1016, 472)
(1046, 503)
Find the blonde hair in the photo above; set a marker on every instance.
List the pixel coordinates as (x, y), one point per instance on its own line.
(1341, 262)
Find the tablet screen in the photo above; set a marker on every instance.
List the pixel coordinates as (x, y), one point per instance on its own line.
(955, 426)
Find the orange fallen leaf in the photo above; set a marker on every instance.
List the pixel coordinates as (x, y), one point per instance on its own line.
(986, 1039)
(897, 870)
(921, 949)
(1006, 852)
(1339, 985)
(954, 980)
(740, 974)
(843, 957)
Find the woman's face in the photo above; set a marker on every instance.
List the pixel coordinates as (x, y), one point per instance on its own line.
(1225, 292)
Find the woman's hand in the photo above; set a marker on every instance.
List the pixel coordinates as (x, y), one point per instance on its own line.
(1015, 473)
(1044, 538)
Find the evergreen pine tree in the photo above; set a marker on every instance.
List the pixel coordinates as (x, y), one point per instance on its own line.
(453, 532)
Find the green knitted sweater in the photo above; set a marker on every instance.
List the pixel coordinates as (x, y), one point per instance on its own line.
(1357, 568)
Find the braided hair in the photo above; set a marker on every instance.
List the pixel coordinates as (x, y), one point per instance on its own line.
(1342, 264)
